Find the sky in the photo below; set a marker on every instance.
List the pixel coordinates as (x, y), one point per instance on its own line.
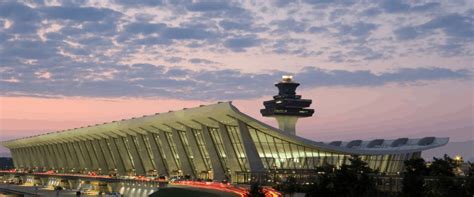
(374, 69)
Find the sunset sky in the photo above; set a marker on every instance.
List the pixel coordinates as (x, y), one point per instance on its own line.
(372, 68)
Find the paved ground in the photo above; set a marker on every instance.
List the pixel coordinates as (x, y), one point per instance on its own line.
(174, 191)
(190, 192)
(31, 191)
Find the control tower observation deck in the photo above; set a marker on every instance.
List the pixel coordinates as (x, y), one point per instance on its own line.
(287, 107)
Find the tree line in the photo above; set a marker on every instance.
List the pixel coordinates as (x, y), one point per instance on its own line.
(357, 179)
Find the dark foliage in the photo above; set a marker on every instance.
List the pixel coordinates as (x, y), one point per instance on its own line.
(444, 182)
(443, 167)
(413, 184)
(439, 179)
(351, 180)
(6, 163)
(469, 185)
(289, 186)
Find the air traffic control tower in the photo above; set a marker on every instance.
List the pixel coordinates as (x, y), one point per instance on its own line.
(287, 107)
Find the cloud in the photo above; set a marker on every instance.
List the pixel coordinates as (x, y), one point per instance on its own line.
(30, 49)
(25, 19)
(359, 29)
(330, 2)
(201, 61)
(235, 25)
(138, 3)
(144, 28)
(17, 12)
(78, 45)
(78, 13)
(401, 6)
(453, 25)
(240, 44)
(180, 33)
(288, 25)
(147, 80)
(208, 6)
(214, 9)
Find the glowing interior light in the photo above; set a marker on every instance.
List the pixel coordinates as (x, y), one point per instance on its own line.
(287, 78)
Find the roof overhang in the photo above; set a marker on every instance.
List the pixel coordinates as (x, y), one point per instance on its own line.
(209, 115)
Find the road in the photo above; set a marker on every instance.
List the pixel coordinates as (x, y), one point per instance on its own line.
(30, 191)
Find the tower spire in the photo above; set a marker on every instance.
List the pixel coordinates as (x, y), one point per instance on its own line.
(287, 106)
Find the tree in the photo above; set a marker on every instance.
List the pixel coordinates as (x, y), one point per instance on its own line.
(351, 180)
(355, 179)
(413, 183)
(323, 183)
(443, 167)
(444, 182)
(469, 185)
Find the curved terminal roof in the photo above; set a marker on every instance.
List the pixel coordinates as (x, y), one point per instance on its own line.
(224, 112)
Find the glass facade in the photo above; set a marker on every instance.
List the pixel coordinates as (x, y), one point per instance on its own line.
(238, 146)
(174, 151)
(202, 148)
(157, 141)
(187, 150)
(148, 149)
(276, 154)
(127, 148)
(219, 145)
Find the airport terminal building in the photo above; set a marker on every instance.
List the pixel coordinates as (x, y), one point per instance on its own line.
(215, 141)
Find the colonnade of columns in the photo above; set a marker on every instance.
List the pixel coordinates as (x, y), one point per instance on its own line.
(146, 150)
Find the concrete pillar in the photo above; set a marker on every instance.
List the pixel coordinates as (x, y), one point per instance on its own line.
(60, 156)
(198, 158)
(117, 156)
(28, 157)
(34, 157)
(31, 157)
(107, 155)
(87, 157)
(79, 154)
(166, 146)
(16, 158)
(127, 160)
(74, 157)
(21, 157)
(145, 154)
(50, 158)
(216, 163)
(94, 163)
(183, 156)
(255, 163)
(100, 155)
(25, 156)
(54, 155)
(66, 156)
(40, 155)
(37, 155)
(45, 155)
(139, 167)
(232, 159)
(160, 163)
(92, 154)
